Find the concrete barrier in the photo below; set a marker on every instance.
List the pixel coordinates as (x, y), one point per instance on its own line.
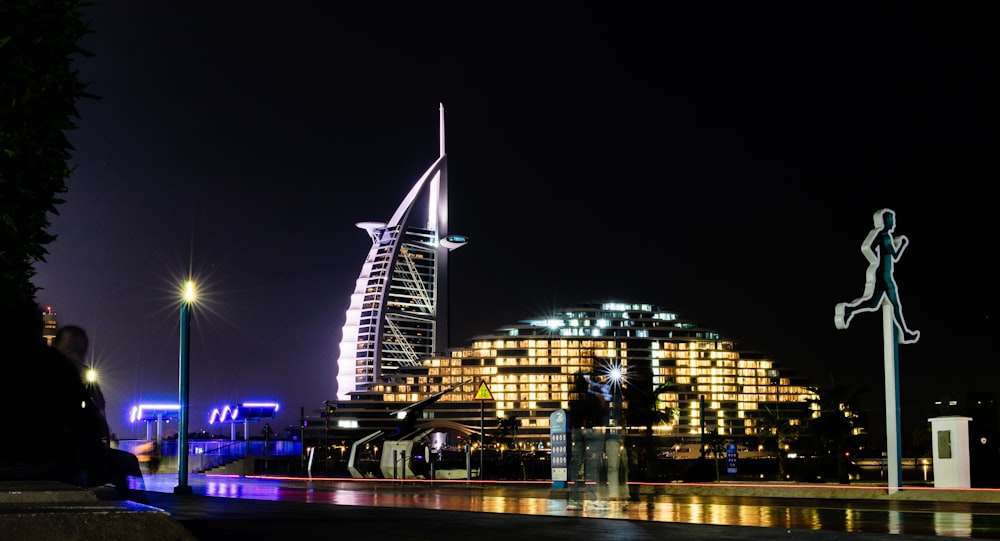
(33, 510)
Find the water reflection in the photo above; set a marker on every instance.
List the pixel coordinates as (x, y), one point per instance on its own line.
(895, 517)
(895, 523)
(960, 524)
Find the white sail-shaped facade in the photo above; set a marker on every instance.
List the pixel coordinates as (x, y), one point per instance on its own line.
(398, 311)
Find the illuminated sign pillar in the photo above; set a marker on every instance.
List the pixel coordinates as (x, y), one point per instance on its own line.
(559, 445)
(882, 249)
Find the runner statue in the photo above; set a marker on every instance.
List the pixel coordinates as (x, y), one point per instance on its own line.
(882, 250)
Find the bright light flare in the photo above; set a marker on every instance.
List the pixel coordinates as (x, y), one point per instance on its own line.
(91, 375)
(616, 373)
(189, 291)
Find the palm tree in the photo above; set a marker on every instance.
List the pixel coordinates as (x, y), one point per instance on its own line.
(715, 445)
(836, 418)
(773, 425)
(645, 410)
(507, 436)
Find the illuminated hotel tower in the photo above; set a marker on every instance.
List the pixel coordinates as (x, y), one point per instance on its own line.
(398, 311)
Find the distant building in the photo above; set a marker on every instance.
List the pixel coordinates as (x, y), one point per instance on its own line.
(395, 353)
(529, 369)
(49, 325)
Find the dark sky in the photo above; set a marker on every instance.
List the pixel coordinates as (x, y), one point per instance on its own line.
(722, 161)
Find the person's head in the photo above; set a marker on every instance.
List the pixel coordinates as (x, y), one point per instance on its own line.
(72, 342)
(888, 218)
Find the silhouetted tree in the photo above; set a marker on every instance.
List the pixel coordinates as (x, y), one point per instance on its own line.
(645, 410)
(781, 432)
(715, 448)
(38, 94)
(507, 427)
(836, 418)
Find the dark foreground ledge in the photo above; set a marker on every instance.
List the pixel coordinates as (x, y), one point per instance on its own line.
(33, 510)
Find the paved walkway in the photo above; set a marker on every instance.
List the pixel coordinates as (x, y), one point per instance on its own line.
(257, 509)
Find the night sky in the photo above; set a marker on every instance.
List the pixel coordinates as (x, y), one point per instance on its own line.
(722, 161)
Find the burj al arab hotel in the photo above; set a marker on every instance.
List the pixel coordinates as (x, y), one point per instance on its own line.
(398, 311)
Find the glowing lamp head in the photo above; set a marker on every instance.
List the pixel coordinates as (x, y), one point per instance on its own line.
(91, 375)
(189, 293)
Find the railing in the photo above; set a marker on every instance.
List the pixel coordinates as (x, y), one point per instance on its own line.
(207, 454)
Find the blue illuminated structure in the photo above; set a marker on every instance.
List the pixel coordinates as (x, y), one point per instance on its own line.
(159, 413)
(245, 413)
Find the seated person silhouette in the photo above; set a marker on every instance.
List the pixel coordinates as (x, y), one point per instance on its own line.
(59, 432)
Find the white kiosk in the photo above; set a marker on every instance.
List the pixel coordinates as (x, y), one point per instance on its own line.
(950, 445)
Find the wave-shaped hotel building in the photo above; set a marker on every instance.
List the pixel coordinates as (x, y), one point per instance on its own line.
(395, 357)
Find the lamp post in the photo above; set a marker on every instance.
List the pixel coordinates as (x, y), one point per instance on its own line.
(182, 422)
(616, 376)
(614, 442)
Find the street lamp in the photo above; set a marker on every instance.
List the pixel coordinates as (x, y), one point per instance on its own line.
(617, 376)
(182, 424)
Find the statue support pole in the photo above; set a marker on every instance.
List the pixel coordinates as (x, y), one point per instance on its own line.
(890, 352)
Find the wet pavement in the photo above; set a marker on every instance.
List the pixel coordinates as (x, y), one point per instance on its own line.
(251, 508)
